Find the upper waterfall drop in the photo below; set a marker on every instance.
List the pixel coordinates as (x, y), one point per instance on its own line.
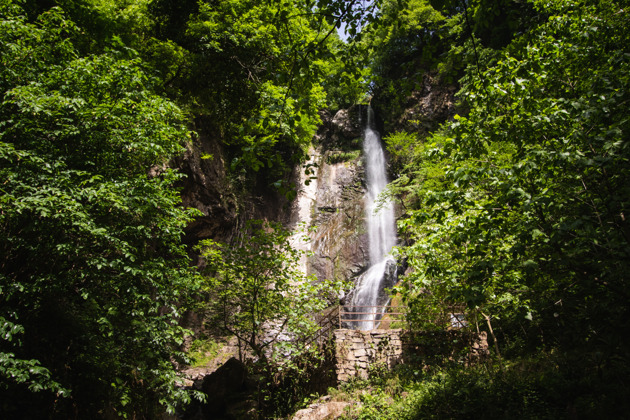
(381, 222)
(381, 227)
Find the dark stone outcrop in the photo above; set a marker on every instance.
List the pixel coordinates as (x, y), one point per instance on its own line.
(206, 188)
(343, 130)
(346, 122)
(429, 104)
(228, 393)
(427, 107)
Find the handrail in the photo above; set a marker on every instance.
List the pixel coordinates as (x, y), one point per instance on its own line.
(373, 313)
(377, 314)
(335, 317)
(327, 321)
(451, 316)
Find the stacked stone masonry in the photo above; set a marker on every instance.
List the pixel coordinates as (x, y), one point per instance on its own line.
(358, 353)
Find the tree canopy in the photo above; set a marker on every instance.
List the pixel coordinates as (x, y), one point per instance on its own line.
(93, 269)
(97, 98)
(517, 207)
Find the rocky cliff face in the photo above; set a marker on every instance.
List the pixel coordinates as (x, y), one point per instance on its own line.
(208, 188)
(339, 241)
(429, 105)
(332, 204)
(337, 153)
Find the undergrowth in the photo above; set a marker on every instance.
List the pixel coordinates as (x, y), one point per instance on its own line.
(532, 388)
(342, 156)
(202, 351)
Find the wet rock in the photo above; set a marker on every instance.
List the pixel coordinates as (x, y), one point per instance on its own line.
(339, 244)
(339, 241)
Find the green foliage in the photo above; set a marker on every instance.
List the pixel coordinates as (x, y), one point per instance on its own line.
(256, 71)
(21, 371)
(401, 148)
(256, 292)
(202, 351)
(92, 270)
(411, 39)
(518, 209)
(529, 388)
(293, 386)
(260, 296)
(339, 156)
(254, 75)
(93, 275)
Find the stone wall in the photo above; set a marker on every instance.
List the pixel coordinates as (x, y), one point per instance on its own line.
(357, 353)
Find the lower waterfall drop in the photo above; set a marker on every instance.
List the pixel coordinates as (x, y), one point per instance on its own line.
(381, 227)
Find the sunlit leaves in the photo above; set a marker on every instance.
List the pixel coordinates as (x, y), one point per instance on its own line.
(259, 71)
(92, 269)
(258, 293)
(529, 209)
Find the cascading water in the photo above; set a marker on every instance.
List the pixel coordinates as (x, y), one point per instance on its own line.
(381, 227)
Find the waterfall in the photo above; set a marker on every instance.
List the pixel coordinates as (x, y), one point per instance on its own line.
(381, 227)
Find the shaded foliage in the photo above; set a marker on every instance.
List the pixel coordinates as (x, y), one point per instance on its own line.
(259, 73)
(259, 294)
(415, 38)
(530, 388)
(518, 209)
(96, 96)
(92, 270)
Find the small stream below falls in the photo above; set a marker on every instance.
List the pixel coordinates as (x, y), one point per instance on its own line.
(381, 228)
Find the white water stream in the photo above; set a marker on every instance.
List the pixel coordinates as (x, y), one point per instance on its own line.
(381, 227)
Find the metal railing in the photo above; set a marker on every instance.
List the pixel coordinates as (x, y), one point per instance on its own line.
(372, 317)
(380, 317)
(395, 316)
(328, 323)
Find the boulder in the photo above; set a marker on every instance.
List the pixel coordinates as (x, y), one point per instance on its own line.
(322, 410)
(224, 388)
(347, 123)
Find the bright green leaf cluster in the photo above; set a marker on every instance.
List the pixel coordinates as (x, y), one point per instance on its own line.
(258, 293)
(518, 209)
(92, 269)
